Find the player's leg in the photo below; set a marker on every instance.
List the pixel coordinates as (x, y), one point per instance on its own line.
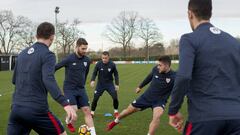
(113, 93)
(216, 127)
(83, 103)
(157, 113)
(46, 123)
(126, 112)
(97, 94)
(232, 127)
(73, 102)
(17, 125)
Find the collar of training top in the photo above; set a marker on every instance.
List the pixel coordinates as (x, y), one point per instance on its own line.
(42, 44)
(203, 24)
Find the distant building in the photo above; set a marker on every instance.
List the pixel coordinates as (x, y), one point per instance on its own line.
(7, 62)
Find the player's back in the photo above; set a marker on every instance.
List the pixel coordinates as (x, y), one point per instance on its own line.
(215, 86)
(30, 90)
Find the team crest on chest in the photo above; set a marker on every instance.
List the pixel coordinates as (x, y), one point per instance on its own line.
(74, 64)
(101, 69)
(168, 80)
(109, 69)
(156, 76)
(85, 64)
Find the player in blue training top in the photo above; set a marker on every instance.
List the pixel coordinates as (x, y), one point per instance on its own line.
(77, 67)
(208, 75)
(33, 78)
(105, 69)
(155, 97)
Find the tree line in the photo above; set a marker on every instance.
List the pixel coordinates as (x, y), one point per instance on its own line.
(126, 30)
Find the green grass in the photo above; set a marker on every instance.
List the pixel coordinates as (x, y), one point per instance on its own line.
(130, 77)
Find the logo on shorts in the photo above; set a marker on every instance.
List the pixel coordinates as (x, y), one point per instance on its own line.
(74, 64)
(156, 76)
(109, 69)
(85, 64)
(68, 100)
(31, 50)
(168, 80)
(134, 101)
(215, 30)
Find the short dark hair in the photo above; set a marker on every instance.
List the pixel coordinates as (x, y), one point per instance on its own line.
(45, 30)
(201, 8)
(105, 53)
(165, 59)
(81, 41)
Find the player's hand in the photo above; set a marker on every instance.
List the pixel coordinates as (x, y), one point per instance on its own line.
(116, 87)
(138, 90)
(176, 121)
(92, 84)
(71, 114)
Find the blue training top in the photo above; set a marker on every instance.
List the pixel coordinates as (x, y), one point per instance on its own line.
(161, 85)
(76, 71)
(34, 77)
(105, 73)
(208, 74)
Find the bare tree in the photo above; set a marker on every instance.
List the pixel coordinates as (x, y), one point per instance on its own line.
(149, 33)
(67, 34)
(10, 29)
(26, 37)
(122, 29)
(173, 47)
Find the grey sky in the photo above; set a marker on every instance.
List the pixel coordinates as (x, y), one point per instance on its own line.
(170, 15)
(105, 10)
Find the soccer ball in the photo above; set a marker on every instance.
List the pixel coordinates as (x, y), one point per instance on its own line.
(83, 130)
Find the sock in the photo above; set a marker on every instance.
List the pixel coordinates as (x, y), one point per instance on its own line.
(115, 110)
(92, 112)
(116, 120)
(92, 131)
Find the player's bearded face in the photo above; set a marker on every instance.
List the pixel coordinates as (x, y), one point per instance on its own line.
(105, 58)
(82, 50)
(163, 68)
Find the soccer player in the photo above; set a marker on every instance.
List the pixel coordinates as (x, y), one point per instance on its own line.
(155, 97)
(105, 69)
(77, 67)
(33, 78)
(209, 75)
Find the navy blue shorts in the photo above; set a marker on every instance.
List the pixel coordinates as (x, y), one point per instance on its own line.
(215, 127)
(78, 98)
(23, 119)
(144, 103)
(110, 88)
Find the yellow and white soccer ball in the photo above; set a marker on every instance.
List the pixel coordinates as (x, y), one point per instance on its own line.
(84, 130)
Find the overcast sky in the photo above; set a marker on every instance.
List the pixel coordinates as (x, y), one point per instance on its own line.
(170, 15)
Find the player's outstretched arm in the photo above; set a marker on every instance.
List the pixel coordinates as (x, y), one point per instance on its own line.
(61, 64)
(48, 69)
(95, 72)
(184, 75)
(14, 74)
(116, 76)
(147, 80)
